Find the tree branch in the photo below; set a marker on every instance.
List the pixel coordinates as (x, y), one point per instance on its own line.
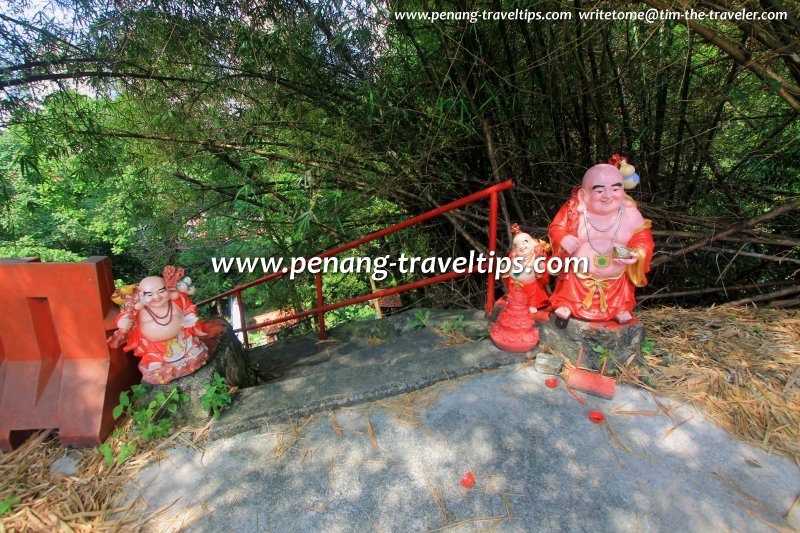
(786, 90)
(729, 231)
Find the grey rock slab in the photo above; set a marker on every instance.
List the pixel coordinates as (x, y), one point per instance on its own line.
(300, 364)
(228, 359)
(67, 464)
(284, 352)
(539, 465)
(547, 363)
(385, 353)
(271, 402)
(623, 341)
(359, 352)
(390, 327)
(383, 329)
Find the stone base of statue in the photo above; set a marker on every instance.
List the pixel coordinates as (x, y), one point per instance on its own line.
(227, 358)
(621, 340)
(515, 329)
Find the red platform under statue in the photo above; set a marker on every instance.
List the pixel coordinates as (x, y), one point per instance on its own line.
(514, 330)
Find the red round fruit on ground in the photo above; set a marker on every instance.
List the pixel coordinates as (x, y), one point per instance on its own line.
(596, 416)
(551, 382)
(468, 481)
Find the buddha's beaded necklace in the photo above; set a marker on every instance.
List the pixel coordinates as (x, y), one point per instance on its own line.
(602, 259)
(156, 318)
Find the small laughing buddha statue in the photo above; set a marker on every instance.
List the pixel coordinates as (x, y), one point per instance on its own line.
(159, 323)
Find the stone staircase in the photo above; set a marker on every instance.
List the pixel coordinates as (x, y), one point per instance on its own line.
(361, 361)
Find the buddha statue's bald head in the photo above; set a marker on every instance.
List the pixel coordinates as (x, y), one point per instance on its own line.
(153, 293)
(602, 192)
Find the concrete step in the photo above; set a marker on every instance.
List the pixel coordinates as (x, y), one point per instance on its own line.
(298, 356)
(350, 355)
(348, 385)
(474, 324)
(281, 359)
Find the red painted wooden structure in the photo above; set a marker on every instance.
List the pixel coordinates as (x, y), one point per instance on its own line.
(56, 369)
(321, 308)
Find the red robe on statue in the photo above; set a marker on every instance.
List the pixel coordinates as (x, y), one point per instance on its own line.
(591, 297)
(533, 289)
(176, 357)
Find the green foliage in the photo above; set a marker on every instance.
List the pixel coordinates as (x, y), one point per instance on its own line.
(287, 131)
(421, 320)
(147, 422)
(647, 347)
(216, 396)
(456, 326)
(22, 248)
(8, 503)
(349, 314)
(603, 354)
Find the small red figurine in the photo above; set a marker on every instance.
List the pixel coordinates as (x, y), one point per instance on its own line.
(514, 329)
(526, 249)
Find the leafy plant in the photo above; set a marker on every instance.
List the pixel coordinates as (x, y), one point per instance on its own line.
(145, 423)
(604, 353)
(124, 450)
(216, 396)
(452, 332)
(421, 320)
(647, 347)
(7, 504)
(447, 327)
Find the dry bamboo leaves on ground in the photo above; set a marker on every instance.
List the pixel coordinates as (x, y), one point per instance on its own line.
(739, 365)
(49, 501)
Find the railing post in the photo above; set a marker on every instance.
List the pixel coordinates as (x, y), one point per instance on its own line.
(243, 318)
(492, 248)
(320, 303)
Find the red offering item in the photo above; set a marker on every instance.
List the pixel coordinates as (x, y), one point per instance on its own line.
(468, 481)
(591, 382)
(551, 382)
(596, 416)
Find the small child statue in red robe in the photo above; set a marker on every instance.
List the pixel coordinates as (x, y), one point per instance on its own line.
(526, 249)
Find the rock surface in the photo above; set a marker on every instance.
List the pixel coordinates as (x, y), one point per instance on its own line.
(406, 363)
(67, 464)
(547, 363)
(228, 359)
(538, 462)
(473, 324)
(623, 341)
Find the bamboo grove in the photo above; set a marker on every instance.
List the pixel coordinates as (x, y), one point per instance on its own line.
(171, 131)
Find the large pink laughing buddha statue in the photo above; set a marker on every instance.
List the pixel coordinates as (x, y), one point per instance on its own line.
(601, 223)
(160, 325)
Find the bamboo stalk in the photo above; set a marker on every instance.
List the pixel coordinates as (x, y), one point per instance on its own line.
(764, 297)
(754, 239)
(714, 249)
(695, 292)
(728, 231)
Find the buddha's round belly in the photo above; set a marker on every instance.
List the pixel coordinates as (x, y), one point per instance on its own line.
(156, 332)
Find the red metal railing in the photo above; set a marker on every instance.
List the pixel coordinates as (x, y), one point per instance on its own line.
(321, 308)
